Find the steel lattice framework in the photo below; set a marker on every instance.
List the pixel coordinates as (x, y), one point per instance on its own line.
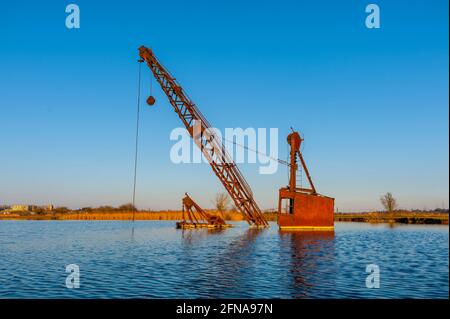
(207, 140)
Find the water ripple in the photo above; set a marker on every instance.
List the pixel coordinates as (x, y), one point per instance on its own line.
(151, 259)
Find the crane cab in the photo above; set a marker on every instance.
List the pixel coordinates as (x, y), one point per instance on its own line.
(303, 208)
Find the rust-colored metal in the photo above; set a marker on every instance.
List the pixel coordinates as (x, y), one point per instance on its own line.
(305, 209)
(195, 217)
(151, 100)
(208, 142)
(294, 140)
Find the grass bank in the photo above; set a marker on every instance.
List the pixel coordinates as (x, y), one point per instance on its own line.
(397, 217)
(373, 217)
(124, 215)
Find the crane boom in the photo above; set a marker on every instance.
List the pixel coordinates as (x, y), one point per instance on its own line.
(207, 140)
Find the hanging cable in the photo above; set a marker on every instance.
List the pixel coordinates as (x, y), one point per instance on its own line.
(256, 151)
(151, 86)
(136, 137)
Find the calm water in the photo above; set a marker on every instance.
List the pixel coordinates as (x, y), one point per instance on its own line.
(154, 260)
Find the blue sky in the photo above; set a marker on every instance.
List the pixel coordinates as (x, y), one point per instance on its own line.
(371, 104)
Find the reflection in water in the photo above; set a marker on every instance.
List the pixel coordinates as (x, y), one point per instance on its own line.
(132, 233)
(223, 258)
(227, 263)
(190, 236)
(238, 250)
(236, 264)
(311, 259)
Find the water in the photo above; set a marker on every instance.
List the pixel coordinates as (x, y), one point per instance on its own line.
(154, 260)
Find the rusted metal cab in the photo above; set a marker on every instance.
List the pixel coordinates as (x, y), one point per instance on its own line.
(304, 211)
(303, 208)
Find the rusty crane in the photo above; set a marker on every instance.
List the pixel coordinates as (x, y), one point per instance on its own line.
(195, 217)
(305, 209)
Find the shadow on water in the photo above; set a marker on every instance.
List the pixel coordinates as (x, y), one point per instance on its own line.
(310, 260)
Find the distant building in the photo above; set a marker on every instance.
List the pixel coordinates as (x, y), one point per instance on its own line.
(20, 207)
(31, 208)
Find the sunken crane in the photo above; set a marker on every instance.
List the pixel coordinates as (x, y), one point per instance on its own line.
(301, 208)
(195, 217)
(207, 140)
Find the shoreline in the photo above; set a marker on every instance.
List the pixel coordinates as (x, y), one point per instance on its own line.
(423, 218)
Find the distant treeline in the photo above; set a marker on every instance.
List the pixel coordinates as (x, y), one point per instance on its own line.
(398, 216)
(123, 215)
(128, 211)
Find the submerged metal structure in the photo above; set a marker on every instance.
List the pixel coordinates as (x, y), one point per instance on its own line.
(195, 217)
(298, 208)
(303, 208)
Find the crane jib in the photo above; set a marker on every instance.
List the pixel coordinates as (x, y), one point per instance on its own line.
(212, 148)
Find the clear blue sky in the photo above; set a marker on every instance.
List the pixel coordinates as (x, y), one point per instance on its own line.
(372, 104)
